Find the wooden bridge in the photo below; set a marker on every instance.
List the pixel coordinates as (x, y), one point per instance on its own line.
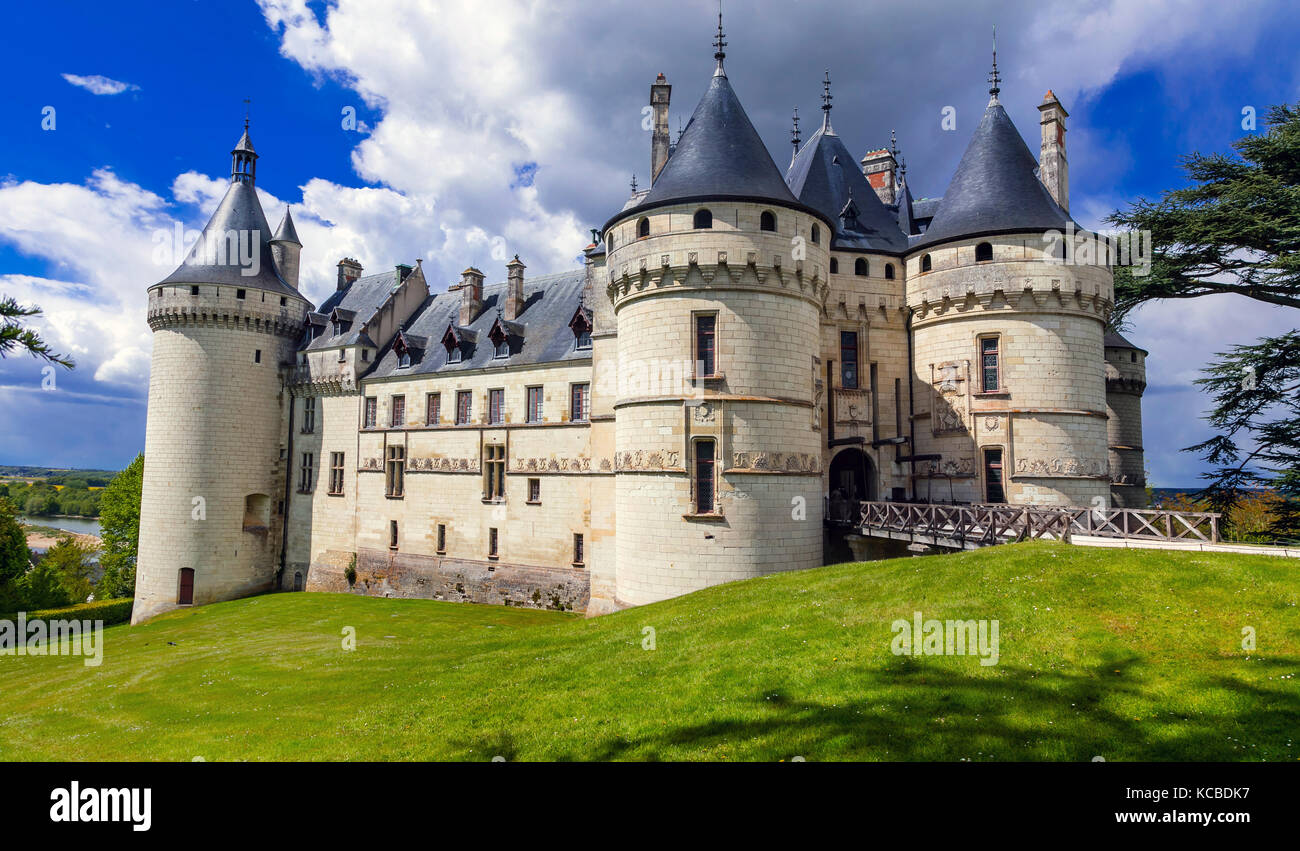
(967, 527)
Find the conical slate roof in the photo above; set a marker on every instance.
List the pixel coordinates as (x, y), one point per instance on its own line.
(216, 260)
(286, 232)
(824, 176)
(996, 188)
(719, 156)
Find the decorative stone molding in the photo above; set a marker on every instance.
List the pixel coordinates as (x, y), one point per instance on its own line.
(649, 461)
(437, 464)
(774, 462)
(1062, 468)
(956, 468)
(580, 464)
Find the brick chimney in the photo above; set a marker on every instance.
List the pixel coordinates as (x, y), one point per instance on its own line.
(879, 167)
(349, 271)
(471, 295)
(1053, 168)
(660, 92)
(514, 289)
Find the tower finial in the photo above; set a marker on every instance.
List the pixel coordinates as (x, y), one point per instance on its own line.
(794, 134)
(826, 103)
(247, 107)
(719, 45)
(634, 184)
(994, 79)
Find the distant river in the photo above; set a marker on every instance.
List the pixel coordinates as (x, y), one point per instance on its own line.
(80, 525)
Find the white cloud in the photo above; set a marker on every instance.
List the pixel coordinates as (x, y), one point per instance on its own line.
(99, 85)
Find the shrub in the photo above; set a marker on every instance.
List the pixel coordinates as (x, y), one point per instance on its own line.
(109, 611)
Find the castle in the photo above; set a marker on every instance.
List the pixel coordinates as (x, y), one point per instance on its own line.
(743, 353)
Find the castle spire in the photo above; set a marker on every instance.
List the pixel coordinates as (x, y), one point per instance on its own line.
(719, 45)
(794, 135)
(826, 105)
(994, 79)
(243, 164)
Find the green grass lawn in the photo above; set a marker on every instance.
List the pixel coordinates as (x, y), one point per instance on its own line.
(1126, 655)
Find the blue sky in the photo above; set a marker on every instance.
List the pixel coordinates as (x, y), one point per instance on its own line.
(490, 127)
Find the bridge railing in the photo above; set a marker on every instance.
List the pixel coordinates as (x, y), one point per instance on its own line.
(994, 524)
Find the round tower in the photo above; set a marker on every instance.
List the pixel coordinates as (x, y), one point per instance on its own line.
(716, 278)
(224, 323)
(1007, 325)
(1126, 380)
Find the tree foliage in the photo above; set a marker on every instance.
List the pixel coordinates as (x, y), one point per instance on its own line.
(119, 521)
(1236, 230)
(14, 336)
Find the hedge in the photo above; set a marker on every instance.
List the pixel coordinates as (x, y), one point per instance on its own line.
(109, 611)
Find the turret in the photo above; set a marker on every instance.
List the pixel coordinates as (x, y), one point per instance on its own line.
(224, 324)
(1126, 381)
(285, 249)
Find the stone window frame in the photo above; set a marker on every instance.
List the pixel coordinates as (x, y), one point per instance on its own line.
(494, 472)
(337, 460)
(534, 492)
(815, 234)
(862, 267)
(889, 271)
(984, 465)
(531, 415)
(307, 472)
(1000, 354)
(643, 227)
(496, 406)
(696, 361)
(397, 410)
(370, 412)
(584, 412)
(494, 543)
(395, 471)
(764, 218)
(835, 265)
(927, 264)
(433, 408)
(696, 508)
(856, 331)
(980, 248)
(308, 415)
(579, 550)
(464, 407)
(702, 215)
(393, 538)
(440, 542)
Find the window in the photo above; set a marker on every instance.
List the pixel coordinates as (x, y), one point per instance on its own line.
(283, 301)
(432, 408)
(306, 472)
(816, 235)
(241, 293)
(297, 581)
(767, 221)
(983, 252)
(365, 355)
(454, 355)
(889, 271)
(397, 417)
(493, 543)
(257, 512)
(535, 401)
(194, 290)
(308, 414)
(989, 366)
(442, 537)
(860, 267)
(579, 550)
(535, 491)
(1132, 357)
(926, 264)
(703, 220)
(502, 349)
(392, 534)
(579, 402)
(494, 473)
(849, 360)
(704, 476)
(643, 228)
(257, 356)
(343, 355)
(706, 359)
(464, 406)
(372, 407)
(185, 587)
(404, 360)
(336, 473)
(496, 406)
(582, 340)
(993, 490)
(394, 471)
(835, 266)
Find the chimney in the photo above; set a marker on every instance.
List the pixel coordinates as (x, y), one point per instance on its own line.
(1053, 169)
(660, 92)
(514, 289)
(349, 271)
(879, 167)
(471, 295)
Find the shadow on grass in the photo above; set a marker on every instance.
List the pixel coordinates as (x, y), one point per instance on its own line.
(929, 712)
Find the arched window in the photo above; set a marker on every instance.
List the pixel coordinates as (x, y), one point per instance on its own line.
(609, 242)
(835, 266)
(767, 221)
(703, 219)
(816, 235)
(983, 252)
(860, 267)
(889, 271)
(643, 228)
(925, 263)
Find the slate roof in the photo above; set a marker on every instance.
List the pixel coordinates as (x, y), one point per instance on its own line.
(995, 188)
(361, 298)
(824, 176)
(239, 212)
(286, 232)
(719, 156)
(925, 208)
(1115, 340)
(549, 304)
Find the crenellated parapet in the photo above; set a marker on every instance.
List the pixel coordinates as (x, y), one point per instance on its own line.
(226, 307)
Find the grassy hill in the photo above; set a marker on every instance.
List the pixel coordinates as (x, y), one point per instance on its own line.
(1120, 654)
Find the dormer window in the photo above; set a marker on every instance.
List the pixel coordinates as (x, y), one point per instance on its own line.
(454, 340)
(581, 326)
(502, 349)
(454, 355)
(583, 340)
(403, 360)
(500, 334)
